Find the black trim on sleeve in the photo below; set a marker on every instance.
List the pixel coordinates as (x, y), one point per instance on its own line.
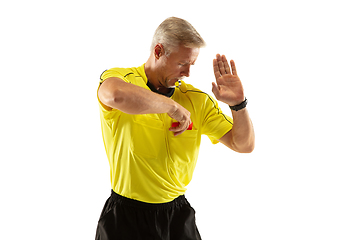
(217, 108)
(128, 74)
(101, 76)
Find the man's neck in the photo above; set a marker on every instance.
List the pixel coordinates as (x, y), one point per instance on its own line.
(155, 85)
(152, 78)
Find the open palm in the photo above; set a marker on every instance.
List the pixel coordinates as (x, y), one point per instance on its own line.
(228, 87)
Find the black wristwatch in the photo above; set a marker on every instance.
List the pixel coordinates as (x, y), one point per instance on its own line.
(239, 106)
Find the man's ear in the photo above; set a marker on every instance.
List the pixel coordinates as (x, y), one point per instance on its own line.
(158, 50)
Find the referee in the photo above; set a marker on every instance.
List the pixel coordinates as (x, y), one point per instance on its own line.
(152, 122)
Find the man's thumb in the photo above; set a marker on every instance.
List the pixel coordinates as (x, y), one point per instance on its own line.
(215, 90)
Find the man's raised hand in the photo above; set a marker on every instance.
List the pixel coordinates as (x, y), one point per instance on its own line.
(228, 87)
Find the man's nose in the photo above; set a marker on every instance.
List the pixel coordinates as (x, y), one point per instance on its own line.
(186, 71)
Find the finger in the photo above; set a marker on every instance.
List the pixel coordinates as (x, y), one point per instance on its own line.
(233, 68)
(178, 133)
(180, 127)
(177, 130)
(226, 64)
(221, 64)
(215, 90)
(216, 69)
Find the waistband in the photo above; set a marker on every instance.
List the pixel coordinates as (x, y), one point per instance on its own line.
(177, 202)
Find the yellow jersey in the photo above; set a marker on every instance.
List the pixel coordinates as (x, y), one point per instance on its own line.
(147, 162)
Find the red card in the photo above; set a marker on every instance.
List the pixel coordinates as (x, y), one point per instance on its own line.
(175, 124)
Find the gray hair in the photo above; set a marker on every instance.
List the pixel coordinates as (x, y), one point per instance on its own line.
(173, 32)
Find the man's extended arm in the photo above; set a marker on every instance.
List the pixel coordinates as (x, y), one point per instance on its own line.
(132, 99)
(229, 89)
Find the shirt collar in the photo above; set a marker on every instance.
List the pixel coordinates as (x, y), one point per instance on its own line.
(141, 71)
(152, 88)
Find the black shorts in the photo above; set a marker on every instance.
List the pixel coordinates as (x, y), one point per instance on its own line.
(127, 219)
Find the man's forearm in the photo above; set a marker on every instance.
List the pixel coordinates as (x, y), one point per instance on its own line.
(133, 99)
(243, 132)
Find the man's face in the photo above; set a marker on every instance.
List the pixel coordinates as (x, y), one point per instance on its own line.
(176, 66)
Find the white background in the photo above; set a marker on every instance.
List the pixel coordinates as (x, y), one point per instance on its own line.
(299, 63)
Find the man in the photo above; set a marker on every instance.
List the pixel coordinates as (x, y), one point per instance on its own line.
(152, 124)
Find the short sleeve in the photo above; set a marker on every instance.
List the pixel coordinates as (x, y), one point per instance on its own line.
(113, 72)
(109, 113)
(216, 124)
